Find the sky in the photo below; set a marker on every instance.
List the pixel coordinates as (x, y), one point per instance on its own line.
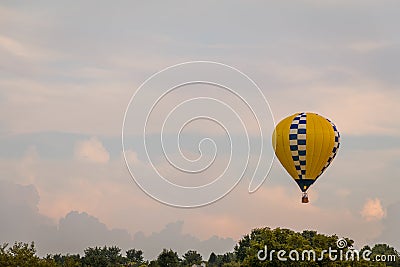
(69, 69)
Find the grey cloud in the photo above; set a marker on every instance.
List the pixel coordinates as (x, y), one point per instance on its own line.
(57, 145)
(306, 24)
(391, 231)
(22, 221)
(92, 52)
(155, 242)
(384, 64)
(77, 231)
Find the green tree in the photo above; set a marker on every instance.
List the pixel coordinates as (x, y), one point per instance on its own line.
(242, 247)
(22, 255)
(102, 257)
(212, 260)
(134, 257)
(191, 257)
(391, 256)
(228, 257)
(67, 260)
(113, 255)
(4, 256)
(272, 241)
(168, 258)
(154, 264)
(95, 257)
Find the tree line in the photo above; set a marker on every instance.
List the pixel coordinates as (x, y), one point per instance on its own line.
(254, 249)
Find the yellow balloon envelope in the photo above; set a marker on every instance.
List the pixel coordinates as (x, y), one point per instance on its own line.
(305, 144)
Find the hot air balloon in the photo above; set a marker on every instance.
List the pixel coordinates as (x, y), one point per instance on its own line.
(305, 144)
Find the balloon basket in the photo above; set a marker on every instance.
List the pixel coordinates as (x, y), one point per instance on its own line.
(304, 198)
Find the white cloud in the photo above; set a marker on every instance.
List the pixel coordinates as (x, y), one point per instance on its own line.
(91, 150)
(373, 210)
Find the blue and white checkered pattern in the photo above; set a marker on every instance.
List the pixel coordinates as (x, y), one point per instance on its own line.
(297, 140)
(334, 150)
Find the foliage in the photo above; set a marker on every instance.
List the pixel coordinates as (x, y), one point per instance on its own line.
(168, 258)
(191, 257)
(134, 257)
(245, 253)
(102, 257)
(22, 255)
(305, 243)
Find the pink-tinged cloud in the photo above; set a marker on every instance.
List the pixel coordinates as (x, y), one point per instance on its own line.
(91, 150)
(373, 210)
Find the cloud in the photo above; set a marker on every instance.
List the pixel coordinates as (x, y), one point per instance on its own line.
(343, 192)
(13, 46)
(360, 107)
(28, 164)
(368, 46)
(132, 157)
(391, 230)
(78, 230)
(91, 150)
(373, 210)
(172, 236)
(107, 191)
(55, 78)
(25, 51)
(87, 77)
(21, 220)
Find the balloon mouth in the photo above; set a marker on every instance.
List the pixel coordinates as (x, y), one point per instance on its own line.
(304, 198)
